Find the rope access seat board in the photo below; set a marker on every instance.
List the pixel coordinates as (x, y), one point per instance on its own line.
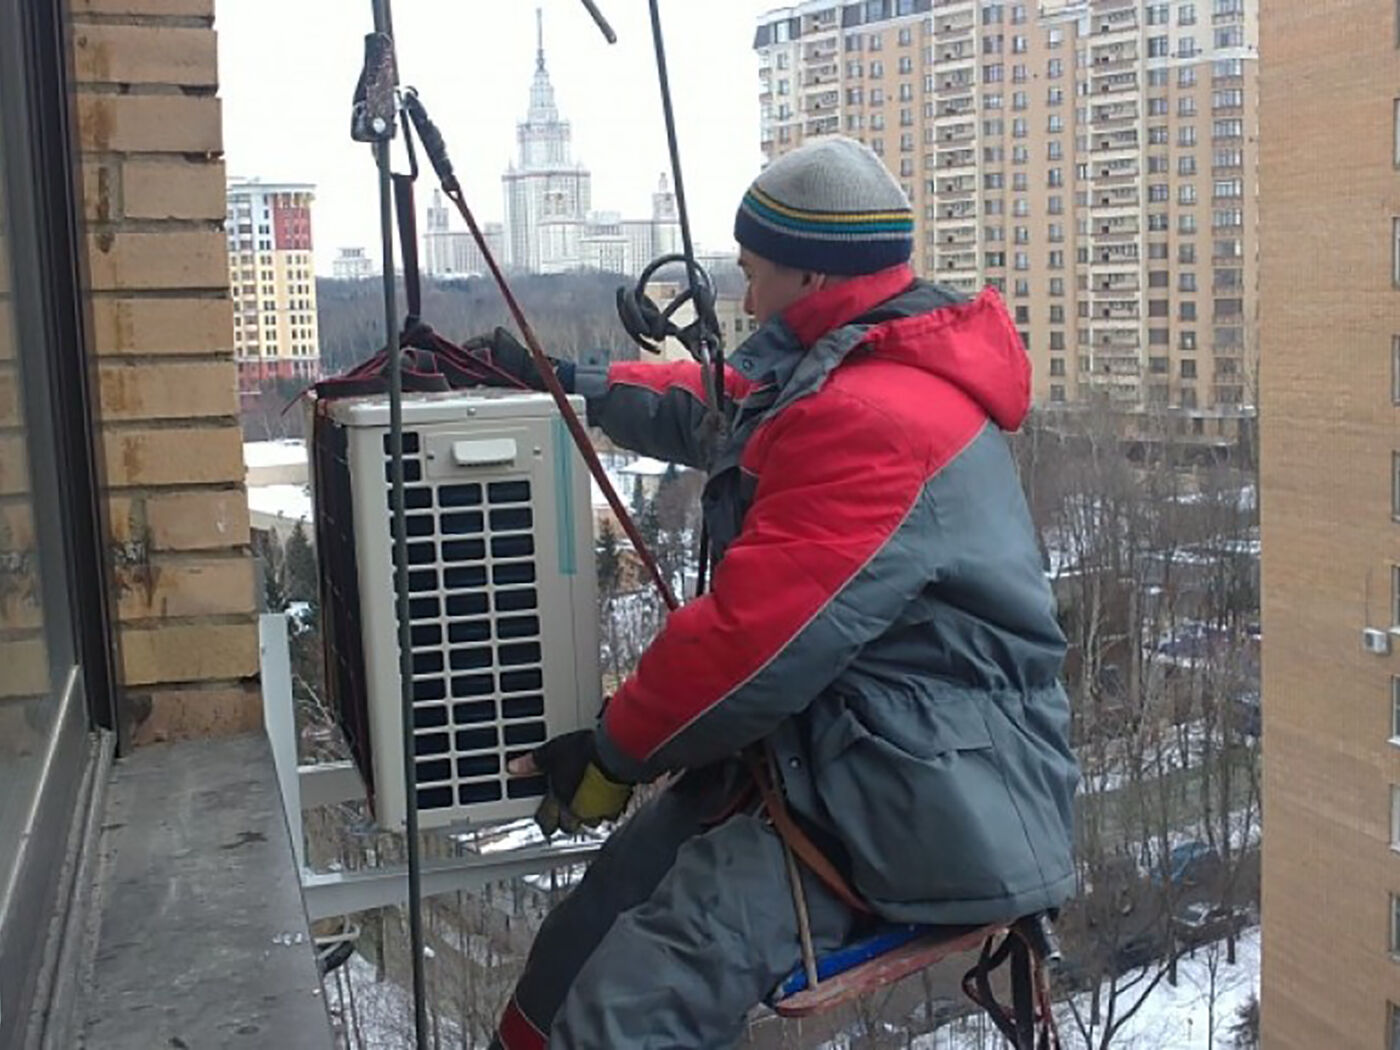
(865, 965)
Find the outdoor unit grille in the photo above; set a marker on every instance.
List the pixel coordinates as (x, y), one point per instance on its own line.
(502, 607)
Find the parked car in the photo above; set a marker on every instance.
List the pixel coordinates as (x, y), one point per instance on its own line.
(1203, 922)
(1187, 864)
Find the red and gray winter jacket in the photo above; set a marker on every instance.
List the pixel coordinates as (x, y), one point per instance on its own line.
(879, 611)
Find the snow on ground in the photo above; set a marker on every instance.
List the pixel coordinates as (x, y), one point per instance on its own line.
(1109, 772)
(1171, 1018)
(291, 502)
(1178, 1018)
(645, 466)
(384, 1008)
(287, 452)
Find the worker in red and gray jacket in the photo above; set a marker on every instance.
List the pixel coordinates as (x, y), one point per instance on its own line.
(879, 623)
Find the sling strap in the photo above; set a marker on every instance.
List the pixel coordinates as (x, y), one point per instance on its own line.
(798, 840)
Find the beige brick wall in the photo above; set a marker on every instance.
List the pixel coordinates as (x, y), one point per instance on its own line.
(150, 131)
(1328, 189)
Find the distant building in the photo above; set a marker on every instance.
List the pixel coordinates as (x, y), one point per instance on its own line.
(544, 187)
(454, 253)
(272, 281)
(550, 225)
(352, 264)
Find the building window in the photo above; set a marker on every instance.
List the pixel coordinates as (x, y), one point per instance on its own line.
(1395, 490)
(1394, 1026)
(1397, 132)
(1395, 710)
(1395, 252)
(1230, 36)
(1395, 817)
(1395, 369)
(1395, 594)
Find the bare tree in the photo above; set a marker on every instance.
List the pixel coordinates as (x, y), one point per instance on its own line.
(1134, 552)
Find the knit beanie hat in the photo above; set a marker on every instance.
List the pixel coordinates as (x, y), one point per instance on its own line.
(829, 207)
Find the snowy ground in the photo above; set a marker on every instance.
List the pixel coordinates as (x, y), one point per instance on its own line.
(1178, 1018)
(1172, 1018)
(383, 1010)
(1101, 774)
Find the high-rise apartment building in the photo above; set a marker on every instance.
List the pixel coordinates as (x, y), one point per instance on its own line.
(1329, 297)
(1093, 159)
(272, 281)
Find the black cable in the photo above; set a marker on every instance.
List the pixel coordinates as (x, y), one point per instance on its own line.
(383, 24)
(601, 22)
(687, 244)
(716, 356)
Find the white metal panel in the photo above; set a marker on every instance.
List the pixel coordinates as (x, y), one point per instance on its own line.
(503, 608)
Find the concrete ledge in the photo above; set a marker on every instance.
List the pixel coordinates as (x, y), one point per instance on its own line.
(203, 936)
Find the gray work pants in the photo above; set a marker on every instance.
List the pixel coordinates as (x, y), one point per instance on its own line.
(676, 930)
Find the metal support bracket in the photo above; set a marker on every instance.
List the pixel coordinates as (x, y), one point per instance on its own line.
(331, 893)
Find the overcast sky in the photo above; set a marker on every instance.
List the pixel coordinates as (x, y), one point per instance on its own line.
(288, 70)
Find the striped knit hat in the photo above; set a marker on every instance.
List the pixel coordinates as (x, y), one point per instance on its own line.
(827, 207)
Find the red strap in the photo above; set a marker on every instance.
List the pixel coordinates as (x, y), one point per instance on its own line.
(518, 1032)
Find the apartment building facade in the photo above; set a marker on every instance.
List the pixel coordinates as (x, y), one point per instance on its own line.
(1329, 178)
(272, 280)
(1093, 159)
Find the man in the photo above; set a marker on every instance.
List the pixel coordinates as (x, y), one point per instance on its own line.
(879, 629)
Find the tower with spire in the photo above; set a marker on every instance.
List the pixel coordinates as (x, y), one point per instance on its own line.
(547, 194)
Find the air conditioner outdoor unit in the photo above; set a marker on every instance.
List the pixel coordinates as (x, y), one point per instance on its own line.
(502, 607)
(1375, 641)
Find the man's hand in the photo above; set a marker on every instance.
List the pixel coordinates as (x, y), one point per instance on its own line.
(579, 793)
(515, 363)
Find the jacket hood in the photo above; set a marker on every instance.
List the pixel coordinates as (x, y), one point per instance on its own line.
(972, 344)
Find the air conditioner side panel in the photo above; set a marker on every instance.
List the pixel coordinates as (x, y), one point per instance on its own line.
(379, 639)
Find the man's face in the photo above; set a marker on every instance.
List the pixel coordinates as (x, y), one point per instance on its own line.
(773, 288)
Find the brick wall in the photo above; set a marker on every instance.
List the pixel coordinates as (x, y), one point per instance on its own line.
(1328, 189)
(150, 133)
